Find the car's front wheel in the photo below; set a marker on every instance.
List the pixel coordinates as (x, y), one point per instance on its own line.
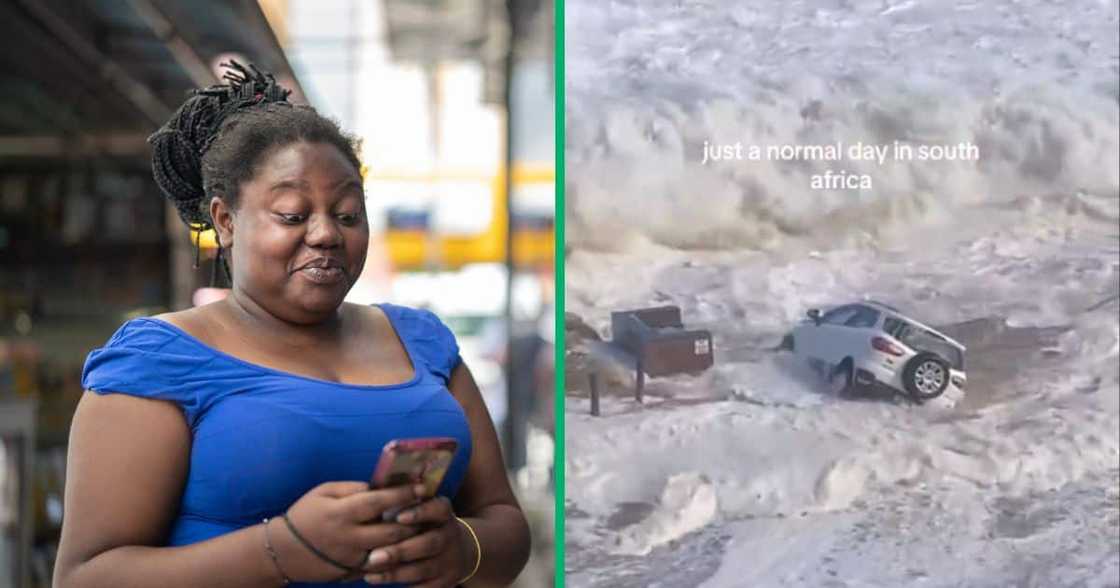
(841, 379)
(925, 376)
(786, 344)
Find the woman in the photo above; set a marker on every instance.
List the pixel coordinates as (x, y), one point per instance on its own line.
(232, 444)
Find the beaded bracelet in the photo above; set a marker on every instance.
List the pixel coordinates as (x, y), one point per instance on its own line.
(477, 551)
(272, 554)
(299, 537)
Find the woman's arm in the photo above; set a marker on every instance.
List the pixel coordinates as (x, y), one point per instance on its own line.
(127, 463)
(486, 500)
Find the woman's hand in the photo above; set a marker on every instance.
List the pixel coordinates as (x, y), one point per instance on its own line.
(343, 520)
(439, 557)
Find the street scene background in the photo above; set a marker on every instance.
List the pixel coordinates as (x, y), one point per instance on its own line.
(446, 98)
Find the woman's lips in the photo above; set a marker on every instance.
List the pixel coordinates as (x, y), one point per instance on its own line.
(324, 276)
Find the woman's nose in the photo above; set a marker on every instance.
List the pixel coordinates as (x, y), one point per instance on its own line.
(322, 231)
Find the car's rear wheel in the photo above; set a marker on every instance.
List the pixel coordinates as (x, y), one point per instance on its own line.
(840, 379)
(925, 376)
(786, 344)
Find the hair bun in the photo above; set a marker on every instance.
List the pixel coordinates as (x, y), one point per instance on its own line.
(177, 169)
(178, 146)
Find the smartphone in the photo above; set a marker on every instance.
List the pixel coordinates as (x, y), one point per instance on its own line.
(412, 461)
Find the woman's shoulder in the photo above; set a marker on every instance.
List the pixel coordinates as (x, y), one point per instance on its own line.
(141, 343)
(146, 357)
(425, 334)
(421, 319)
(198, 322)
(417, 324)
(141, 333)
(155, 332)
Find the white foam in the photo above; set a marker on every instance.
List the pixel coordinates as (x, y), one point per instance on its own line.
(688, 503)
(782, 449)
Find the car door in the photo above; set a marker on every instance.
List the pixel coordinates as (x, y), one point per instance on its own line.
(828, 337)
(857, 332)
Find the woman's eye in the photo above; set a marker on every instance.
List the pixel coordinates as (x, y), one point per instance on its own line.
(348, 219)
(290, 219)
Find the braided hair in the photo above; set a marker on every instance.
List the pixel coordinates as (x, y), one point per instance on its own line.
(215, 140)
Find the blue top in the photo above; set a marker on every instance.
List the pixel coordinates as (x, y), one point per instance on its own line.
(261, 437)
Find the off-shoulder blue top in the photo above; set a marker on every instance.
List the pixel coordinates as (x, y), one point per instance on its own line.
(261, 437)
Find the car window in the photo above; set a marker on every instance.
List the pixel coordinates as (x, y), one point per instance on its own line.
(920, 339)
(839, 316)
(863, 318)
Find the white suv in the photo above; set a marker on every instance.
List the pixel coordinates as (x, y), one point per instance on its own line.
(870, 345)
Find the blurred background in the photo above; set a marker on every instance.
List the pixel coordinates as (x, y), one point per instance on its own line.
(453, 101)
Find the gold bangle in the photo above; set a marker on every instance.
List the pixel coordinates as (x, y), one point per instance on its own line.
(477, 551)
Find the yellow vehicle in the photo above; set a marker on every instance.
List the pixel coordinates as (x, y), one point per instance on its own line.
(420, 247)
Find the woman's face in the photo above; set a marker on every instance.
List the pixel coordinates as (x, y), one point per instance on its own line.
(298, 235)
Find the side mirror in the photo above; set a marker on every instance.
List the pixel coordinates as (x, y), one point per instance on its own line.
(814, 315)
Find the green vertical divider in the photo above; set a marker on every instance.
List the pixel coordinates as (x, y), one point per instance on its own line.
(558, 337)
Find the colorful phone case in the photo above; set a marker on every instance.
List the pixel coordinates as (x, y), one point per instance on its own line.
(408, 461)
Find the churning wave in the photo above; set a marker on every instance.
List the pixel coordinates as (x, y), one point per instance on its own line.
(645, 97)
